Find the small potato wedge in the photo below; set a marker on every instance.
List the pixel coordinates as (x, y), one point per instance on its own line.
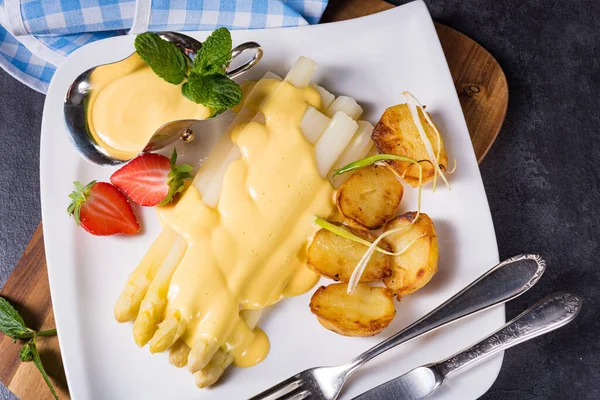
(415, 267)
(370, 197)
(396, 133)
(336, 257)
(365, 312)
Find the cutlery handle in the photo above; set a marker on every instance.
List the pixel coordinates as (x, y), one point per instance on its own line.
(547, 315)
(500, 284)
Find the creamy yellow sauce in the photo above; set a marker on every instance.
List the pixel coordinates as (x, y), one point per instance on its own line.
(130, 102)
(250, 252)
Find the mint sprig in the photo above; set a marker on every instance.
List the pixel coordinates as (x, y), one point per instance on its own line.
(207, 82)
(13, 326)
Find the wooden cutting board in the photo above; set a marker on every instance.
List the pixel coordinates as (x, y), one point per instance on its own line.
(483, 93)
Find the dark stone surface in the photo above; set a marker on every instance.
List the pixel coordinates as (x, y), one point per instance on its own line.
(20, 122)
(541, 176)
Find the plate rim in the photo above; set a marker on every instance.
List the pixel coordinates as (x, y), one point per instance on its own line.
(44, 137)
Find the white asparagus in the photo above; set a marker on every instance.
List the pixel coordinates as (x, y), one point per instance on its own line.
(346, 104)
(301, 72)
(212, 192)
(313, 124)
(201, 353)
(326, 97)
(168, 332)
(155, 300)
(211, 373)
(333, 141)
(127, 306)
(271, 75)
(178, 354)
(358, 148)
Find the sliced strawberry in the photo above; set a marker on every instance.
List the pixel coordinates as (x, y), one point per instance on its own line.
(152, 179)
(102, 209)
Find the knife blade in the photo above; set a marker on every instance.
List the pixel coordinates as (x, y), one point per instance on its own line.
(413, 385)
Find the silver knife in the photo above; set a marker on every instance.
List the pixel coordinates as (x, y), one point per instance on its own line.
(547, 315)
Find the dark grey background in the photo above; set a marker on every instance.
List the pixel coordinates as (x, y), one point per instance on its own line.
(541, 175)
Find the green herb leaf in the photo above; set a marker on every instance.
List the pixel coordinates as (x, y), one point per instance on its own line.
(216, 91)
(26, 354)
(215, 53)
(38, 363)
(165, 59)
(225, 93)
(340, 230)
(372, 160)
(198, 88)
(11, 323)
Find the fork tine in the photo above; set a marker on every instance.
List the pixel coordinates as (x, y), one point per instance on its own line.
(296, 394)
(289, 384)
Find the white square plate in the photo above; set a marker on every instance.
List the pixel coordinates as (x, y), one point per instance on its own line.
(372, 59)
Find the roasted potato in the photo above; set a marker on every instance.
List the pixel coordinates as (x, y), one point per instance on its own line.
(396, 133)
(365, 312)
(412, 269)
(370, 197)
(336, 257)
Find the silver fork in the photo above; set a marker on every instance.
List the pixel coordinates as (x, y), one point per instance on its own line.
(502, 283)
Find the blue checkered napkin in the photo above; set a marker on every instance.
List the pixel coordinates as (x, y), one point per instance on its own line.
(36, 35)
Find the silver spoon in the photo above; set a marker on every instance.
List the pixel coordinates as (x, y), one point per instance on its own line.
(82, 87)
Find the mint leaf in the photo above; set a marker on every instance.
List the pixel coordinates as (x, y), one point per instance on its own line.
(11, 323)
(215, 52)
(197, 88)
(215, 91)
(225, 93)
(165, 59)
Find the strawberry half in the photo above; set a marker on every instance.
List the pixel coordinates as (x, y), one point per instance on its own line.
(152, 179)
(102, 209)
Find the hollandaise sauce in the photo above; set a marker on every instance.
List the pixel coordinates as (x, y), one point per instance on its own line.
(130, 102)
(250, 251)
